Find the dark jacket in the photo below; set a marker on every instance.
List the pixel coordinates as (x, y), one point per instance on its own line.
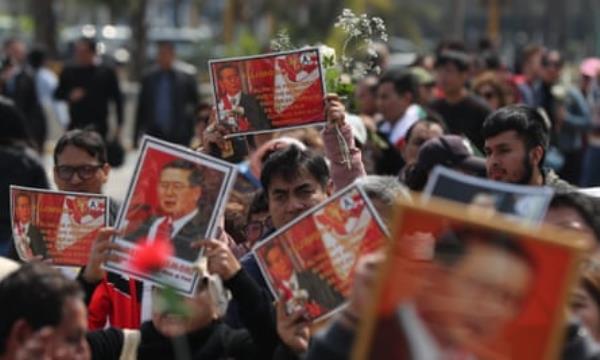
(254, 112)
(216, 341)
(38, 246)
(184, 99)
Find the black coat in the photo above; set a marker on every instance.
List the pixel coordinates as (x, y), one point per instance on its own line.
(38, 246)
(184, 102)
(254, 112)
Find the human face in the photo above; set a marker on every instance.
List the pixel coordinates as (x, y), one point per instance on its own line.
(568, 218)
(474, 299)
(552, 68)
(279, 264)
(391, 105)
(288, 199)
(76, 157)
(176, 197)
(230, 81)
(489, 95)
(586, 310)
(70, 333)
(507, 159)
(450, 79)
(259, 225)
(421, 132)
(83, 54)
(365, 99)
(165, 57)
(23, 210)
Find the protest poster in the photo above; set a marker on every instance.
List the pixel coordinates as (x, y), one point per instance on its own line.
(269, 92)
(310, 262)
(454, 285)
(56, 225)
(175, 194)
(486, 197)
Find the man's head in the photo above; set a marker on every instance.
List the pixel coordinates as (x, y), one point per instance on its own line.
(294, 180)
(452, 71)
(532, 61)
(80, 162)
(366, 95)
(383, 191)
(576, 211)
(229, 79)
(479, 281)
(396, 91)
(15, 49)
(85, 51)
(166, 55)
(179, 188)
(277, 261)
(37, 296)
(516, 139)
(23, 208)
(552, 64)
(417, 135)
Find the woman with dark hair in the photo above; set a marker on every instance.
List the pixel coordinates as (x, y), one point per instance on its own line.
(19, 164)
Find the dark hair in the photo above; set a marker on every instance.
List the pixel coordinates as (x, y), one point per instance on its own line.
(288, 162)
(87, 140)
(403, 81)
(458, 58)
(166, 43)
(37, 56)
(259, 204)
(587, 207)
(89, 42)
(195, 178)
(227, 66)
(36, 293)
(13, 128)
(454, 244)
(529, 124)
(549, 54)
(23, 194)
(429, 120)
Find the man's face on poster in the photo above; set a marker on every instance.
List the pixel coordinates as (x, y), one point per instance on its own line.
(279, 265)
(23, 209)
(230, 81)
(474, 299)
(176, 196)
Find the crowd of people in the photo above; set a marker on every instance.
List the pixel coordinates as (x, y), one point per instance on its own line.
(458, 108)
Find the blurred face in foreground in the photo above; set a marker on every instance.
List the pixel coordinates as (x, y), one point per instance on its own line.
(584, 307)
(472, 300)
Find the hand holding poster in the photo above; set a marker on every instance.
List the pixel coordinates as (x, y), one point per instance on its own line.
(176, 195)
(269, 92)
(59, 226)
(490, 289)
(486, 197)
(310, 262)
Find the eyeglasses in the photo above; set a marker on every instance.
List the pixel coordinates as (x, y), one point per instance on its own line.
(487, 95)
(84, 172)
(255, 230)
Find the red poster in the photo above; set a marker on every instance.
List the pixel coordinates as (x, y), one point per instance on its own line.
(311, 262)
(457, 286)
(58, 226)
(269, 92)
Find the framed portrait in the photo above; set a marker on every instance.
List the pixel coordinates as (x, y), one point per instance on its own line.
(57, 226)
(269, 92)
(456, 284)
(177, 194)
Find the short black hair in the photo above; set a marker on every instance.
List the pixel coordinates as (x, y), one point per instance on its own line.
(36, 293)
(288, 162)
(259, 204)
(403, 81)
(195, 179)
(86, 140)
(587, 207)
(454, 243)
(13, 127)
(460, 59)
(23, 194)
(89, 42)
(430, 119)
(527, 121)
(37, 56)
(227, 66)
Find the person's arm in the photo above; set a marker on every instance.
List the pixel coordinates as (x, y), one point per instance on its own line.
(64, 87)
(342, 172)
(580, 120)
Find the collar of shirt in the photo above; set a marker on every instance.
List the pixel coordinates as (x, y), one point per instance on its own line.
(177, 224)
(235, 100)
(292, 282)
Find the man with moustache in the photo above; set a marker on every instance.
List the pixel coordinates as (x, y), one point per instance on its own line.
(516, 141)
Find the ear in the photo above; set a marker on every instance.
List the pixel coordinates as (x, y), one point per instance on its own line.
(18, 335)
(535, 155)
(105, 172)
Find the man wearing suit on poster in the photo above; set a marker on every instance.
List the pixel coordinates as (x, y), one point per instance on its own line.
(167, 100)
(234, 105)
(29, 240)
(320, 296)
(179, 190)
(476, 285)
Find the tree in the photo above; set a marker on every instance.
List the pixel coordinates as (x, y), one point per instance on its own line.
(44, 20)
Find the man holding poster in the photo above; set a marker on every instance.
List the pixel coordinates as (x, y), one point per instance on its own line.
(28, 238)
(178, 190)
(234, 105)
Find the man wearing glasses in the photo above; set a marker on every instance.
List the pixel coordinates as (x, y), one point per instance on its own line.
(179, 220)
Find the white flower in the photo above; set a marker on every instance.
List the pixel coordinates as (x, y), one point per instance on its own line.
(327, 54)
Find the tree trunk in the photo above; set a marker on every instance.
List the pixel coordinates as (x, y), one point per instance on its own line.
(44, 20)
(139, 37)
(456, 23)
